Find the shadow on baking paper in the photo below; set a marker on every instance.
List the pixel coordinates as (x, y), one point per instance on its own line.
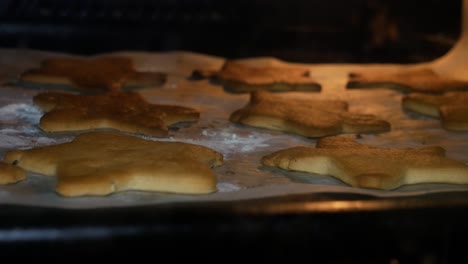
(304, 177)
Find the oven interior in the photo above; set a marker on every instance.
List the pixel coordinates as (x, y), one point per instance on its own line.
(314, 31)
(357, 31)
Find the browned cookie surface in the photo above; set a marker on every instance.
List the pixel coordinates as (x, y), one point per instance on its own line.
(451, 108)
(306, 117)
(104, 73)
(412, 80)
(241, 78)
(101, 163)
(365, 166)
(11, 173)
(124, 111)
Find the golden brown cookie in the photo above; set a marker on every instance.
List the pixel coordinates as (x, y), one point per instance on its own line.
(101, 163)
(309, 118)
(124, 111)
(370, 167)
(103, 73)
(11, 173)
(415, 80)
(241, 78)
(451, 108)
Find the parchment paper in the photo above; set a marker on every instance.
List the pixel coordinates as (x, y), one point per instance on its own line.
(241, 176)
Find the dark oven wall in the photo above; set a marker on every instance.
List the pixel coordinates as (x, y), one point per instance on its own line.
(295, 30)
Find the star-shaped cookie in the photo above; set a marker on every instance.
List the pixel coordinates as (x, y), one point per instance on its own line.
(124, 111)
(101, 163)
(241, 78)
(451, 108)
(422, 80)
(370, 167)
(306, 117)
(10, 173)
(97, 74)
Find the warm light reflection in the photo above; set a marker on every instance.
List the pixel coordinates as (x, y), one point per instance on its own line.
(326, 206)
(287, 207)
(338, 206)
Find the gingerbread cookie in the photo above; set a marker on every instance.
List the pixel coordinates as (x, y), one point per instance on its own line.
(415, 80)
(365, 166)
(309, 118)
(241, 78)
(124, 111)
(10, 173)
(97, 74)
(101, 163)
(451, 108)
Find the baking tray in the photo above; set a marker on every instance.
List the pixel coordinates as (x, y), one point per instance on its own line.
(242, 176)
(246, 190)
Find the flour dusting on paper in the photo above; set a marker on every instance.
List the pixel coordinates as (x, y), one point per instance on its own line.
(227, 141)
(227, 187)
(19, 127)
(20, 113)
